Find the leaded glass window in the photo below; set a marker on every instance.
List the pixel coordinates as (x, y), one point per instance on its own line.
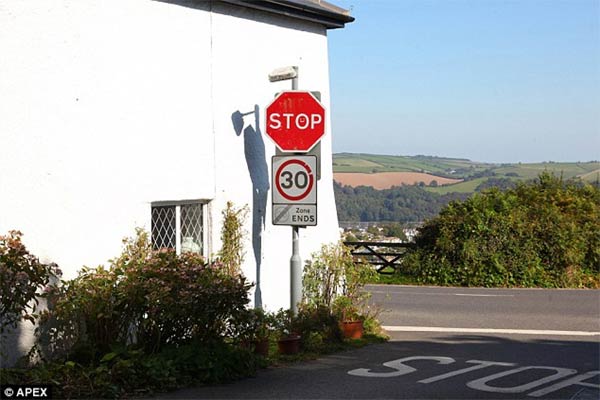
(178, 226)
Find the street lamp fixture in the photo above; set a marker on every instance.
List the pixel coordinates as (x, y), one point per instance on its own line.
(284, 74)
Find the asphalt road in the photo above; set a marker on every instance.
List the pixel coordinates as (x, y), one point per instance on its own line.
(450, 343)
(537, 309)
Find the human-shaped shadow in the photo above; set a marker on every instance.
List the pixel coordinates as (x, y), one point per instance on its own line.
(254, 152)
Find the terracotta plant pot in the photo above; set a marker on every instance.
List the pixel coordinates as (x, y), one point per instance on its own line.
(261, 347)
(352, 329)
(289, 345)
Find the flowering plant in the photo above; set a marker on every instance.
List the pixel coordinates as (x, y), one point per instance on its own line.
(24, 279)
(152, 299)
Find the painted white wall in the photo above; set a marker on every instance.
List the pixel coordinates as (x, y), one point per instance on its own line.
(106, 106)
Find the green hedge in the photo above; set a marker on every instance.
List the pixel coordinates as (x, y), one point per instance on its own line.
(148, 299)
(540, 234)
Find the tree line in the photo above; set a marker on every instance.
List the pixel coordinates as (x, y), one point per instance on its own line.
(404, 204)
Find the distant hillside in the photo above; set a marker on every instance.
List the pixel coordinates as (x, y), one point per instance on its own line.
(418, 187)
(371, 163)
(473, 174)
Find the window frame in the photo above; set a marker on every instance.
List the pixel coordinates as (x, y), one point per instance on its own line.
(203, 203)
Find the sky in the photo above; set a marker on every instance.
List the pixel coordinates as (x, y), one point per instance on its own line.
(487, 80)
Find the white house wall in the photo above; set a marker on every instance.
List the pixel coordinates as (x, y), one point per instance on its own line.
(107, 106)
(104, 108)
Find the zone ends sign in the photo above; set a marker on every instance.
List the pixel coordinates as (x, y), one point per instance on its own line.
(294, 191)
(295, 121)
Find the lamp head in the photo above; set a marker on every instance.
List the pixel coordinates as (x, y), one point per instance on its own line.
(284, 73)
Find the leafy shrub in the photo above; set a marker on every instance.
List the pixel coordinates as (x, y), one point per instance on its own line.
(333, 282)
(23, 280)
(318, 328)
(180, 298)
(545, 233)
(152, 320)
(323, 276)
(332, 273)
(254, 325)
(148, 298)
(86, 316)
(126, 372)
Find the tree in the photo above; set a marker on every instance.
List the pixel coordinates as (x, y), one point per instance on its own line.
(394, 230)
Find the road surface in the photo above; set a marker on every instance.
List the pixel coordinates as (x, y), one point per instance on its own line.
(451, 343)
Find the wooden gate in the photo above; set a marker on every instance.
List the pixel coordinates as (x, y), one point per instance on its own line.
(385, 256)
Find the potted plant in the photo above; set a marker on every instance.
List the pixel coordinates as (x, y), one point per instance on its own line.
(262, 326)
(350, 317)
(288, 341)
(262, 331)
(333, 280)
(254, 330)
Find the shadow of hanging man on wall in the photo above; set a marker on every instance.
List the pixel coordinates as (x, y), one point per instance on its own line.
(254, 152)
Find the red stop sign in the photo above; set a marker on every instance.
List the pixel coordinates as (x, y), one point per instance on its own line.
(295, 121)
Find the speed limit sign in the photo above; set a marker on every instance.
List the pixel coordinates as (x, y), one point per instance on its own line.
(294, 190)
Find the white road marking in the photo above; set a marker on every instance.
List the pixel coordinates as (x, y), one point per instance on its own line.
(482, 383)
(482, 364)
(484, 295)
(441, 294)
(399, 366)
(390, 328)
(575, 380)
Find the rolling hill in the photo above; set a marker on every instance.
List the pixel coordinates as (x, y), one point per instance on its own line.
(411, 189)
(454, 174)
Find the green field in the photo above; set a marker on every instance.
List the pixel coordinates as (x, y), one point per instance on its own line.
(468, 186)
(474, 173)
(369, 163)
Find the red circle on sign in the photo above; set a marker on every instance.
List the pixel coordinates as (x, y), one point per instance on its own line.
(308, 187)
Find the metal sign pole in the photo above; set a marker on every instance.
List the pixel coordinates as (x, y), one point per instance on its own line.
(295, 260)
(295, 271)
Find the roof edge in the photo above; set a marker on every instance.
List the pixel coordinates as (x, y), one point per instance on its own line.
(329, 15)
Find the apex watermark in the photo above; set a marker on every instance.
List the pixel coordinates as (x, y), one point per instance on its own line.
(25, 392)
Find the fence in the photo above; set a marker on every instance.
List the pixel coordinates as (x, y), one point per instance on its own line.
(385, 256)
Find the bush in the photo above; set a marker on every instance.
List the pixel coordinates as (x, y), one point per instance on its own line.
(126, 372)
(545, 233)
(181, 298)
(152, 320)
(151, 299)
(23, 280)
(318, 328)
(333, 282)
(332, 273)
